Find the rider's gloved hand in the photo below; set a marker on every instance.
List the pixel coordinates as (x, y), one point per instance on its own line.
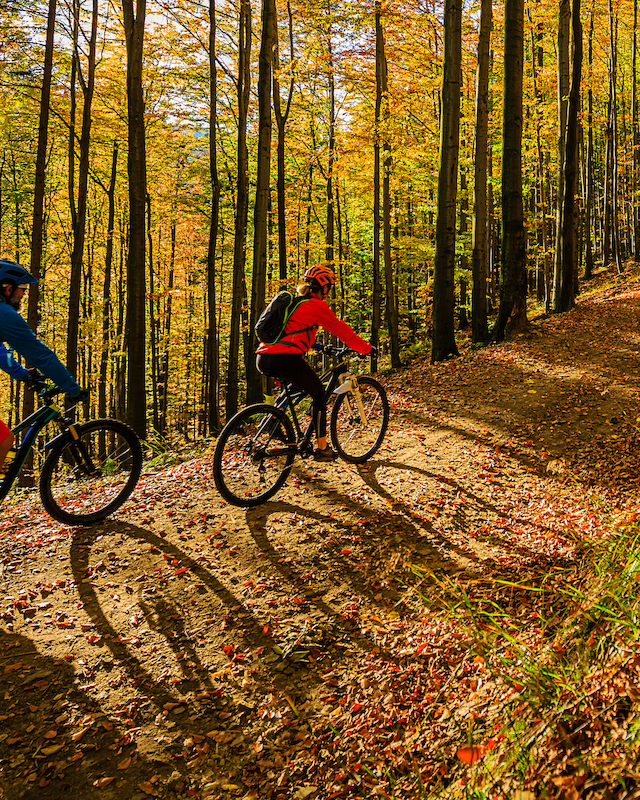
(82, 395)
(372, 352)
(317, 346)
(36, 380)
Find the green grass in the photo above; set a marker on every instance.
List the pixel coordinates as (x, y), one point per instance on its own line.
(563, 653)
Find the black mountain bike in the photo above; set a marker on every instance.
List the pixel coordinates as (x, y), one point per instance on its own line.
(256, 449)
(90, 468)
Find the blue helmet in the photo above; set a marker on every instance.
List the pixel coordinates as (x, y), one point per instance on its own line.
(11, 272)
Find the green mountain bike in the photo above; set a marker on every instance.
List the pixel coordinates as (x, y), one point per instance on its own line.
(90, 468)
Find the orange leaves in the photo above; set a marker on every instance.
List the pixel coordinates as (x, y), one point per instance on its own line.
(470, 753)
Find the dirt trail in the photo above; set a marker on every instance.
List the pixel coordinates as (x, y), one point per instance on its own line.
(191, 649)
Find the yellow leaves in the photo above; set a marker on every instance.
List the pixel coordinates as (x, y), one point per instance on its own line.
(49, 751)
(125, 763)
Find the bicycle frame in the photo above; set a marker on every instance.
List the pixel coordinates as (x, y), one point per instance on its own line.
(290, 397)
(33, 424)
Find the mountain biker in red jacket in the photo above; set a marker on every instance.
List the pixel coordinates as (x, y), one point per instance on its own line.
(285, 358)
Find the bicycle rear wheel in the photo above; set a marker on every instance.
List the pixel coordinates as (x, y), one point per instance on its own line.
(354, 439)
(254, 455)
(84, 480)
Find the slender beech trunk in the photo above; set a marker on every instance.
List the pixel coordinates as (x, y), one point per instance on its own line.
(154, 325)
(134, 21)
(635, 186)
(242, 209)
(444, 341)
(106, 290)
(281, 121)
(382, 125)
(588, 233)
(166, 338)
(375, 300)
(212, 354)
(80, 217)
(512, 314)
(37, 230)
(330, 229)
(568, 233)
(479, 325)
(613, 127)
(259, 278)
(564, 24)
(537, 62)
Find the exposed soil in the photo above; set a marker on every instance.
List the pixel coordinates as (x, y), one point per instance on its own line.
(186, 648)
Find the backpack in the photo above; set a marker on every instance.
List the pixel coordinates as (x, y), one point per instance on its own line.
(273, 320)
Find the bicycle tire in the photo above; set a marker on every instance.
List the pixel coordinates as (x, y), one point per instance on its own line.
(85, 480)
(354, 441)
(250, 461)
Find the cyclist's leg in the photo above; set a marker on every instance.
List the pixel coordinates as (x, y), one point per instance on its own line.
(293, 368)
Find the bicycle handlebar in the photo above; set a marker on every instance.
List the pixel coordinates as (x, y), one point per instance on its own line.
(48, 392)
(339, 352)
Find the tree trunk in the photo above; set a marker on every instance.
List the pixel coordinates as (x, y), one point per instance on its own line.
(154, 325)
(37, 231)
(480, 329)
(242, 209)
(512, 314)
(588, 235)
(330, 231)
(636, 137)
(137, 172)
(106, 291)
(537, 56)
(281, 121)
(564, 22)
(444, 341)
(382, 127)
(613, 127)
(80, 217)
(212, 355)
(259, 278)
(568, 234)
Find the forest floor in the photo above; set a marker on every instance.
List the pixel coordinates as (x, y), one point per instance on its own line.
(402, 629)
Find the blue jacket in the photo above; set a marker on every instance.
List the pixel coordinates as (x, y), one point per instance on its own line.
(16, 332)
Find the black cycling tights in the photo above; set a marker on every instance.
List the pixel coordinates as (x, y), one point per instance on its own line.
(292, 368)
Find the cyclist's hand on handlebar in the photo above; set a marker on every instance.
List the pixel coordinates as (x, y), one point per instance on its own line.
(35, 381)
(373, 351)
(318, 346)
(82, 395)
(72, 401)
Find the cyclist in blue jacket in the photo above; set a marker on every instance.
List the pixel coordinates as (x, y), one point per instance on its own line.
(14, 330)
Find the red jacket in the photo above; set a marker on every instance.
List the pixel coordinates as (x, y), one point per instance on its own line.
(311, 315)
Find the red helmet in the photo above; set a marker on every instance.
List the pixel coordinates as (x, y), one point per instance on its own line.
(321, 275)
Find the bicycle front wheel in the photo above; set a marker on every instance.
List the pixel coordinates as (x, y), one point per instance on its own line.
(254, 455)
(84, 480)
(356, 438)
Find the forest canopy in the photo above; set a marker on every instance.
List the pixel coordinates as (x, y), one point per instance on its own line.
(273, 137)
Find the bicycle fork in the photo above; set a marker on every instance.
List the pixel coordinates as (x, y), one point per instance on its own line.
(349, 386)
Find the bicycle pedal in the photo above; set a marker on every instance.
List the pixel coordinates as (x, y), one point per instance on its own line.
(307, 451)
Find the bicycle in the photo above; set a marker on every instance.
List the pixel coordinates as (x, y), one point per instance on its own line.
(90, 469)
(256, 449)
